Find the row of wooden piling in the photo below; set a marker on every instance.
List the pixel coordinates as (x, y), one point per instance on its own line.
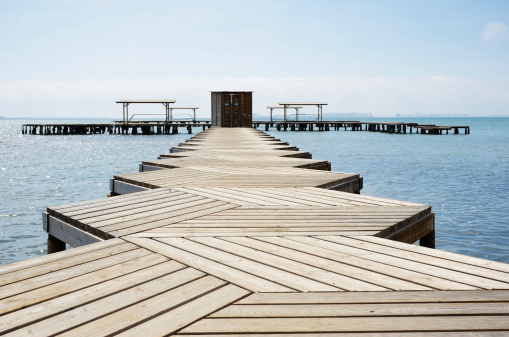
(387, 127)
(110, 128)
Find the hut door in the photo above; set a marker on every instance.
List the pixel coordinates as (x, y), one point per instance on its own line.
(227, 120)
(236, 111)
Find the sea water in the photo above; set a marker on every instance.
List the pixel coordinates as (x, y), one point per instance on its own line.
(463, 177)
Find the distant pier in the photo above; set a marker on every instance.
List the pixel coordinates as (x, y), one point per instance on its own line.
(157, 128)
(387, 127)
(134, 128)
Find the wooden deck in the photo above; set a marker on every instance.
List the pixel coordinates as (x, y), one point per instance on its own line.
(250, 261)
(236, 167)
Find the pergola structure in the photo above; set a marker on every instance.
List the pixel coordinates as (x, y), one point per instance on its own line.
(280, 107)
(194, 108)
(292, 104)
(125, 107)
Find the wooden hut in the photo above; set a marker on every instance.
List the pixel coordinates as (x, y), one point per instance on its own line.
(232, 108)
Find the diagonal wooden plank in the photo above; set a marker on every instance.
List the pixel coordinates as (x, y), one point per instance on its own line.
(131, 297)
(235, 276)
(186, 314)
(254, 267)
(67, 311)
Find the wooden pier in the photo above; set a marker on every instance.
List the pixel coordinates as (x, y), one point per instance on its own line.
(386, 127)
(134, 128)
(157, 128)
(198, 253)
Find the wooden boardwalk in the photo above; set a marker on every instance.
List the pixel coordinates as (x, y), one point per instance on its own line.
(236, 168)
(250, 261)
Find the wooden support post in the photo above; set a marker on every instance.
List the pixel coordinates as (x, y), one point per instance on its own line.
(55, 245)
(428, 240)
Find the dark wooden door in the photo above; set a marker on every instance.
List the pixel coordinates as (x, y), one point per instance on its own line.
(246, 110)
(236, 113)
(226, 110)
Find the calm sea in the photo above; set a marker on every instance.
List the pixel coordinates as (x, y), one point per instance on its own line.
(464, 178)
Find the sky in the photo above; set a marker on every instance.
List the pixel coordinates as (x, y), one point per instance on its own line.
(74, 59)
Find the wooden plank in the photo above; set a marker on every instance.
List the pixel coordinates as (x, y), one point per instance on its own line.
(253, 267)
(17, 299)
(209, 193)
(355, 278)
(115, 283)
(74, 271)
(162, 286)
(366, 334)
(368, 310)
(64, 262)
(435, 260)
(258, 233)
(5, 269)
(402, 297)
(350, 324)
(235, 276)
(174, 320)
(362, 259)
(187, 214)
(131, 212)
(109, 202)
(302, 267)
(110, 207)
(95, 202)
(415, 265)
(504, 267)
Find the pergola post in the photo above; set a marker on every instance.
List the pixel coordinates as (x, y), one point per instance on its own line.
(284, 107)
(167, 110)
(271, 114)
(297, 114)
(194, 115)
(125, 112)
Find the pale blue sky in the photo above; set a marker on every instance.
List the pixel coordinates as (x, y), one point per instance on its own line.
(75, 58)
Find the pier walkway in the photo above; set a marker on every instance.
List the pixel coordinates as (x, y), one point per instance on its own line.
(216, 254)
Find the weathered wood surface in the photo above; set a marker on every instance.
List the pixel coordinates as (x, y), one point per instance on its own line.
(237, 177)
(217, 153)
(251, 261)
(246, 211)
(253, 285)
(239, 161)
